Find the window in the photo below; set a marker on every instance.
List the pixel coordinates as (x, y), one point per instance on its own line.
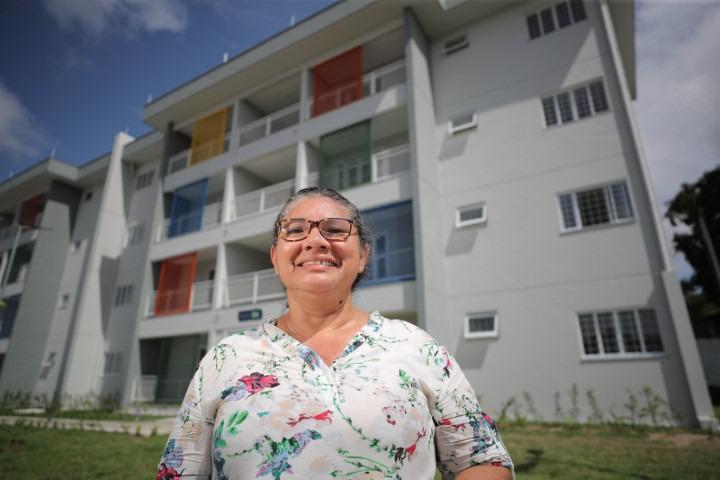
(463, 122)
(609, 204)
(455, 44)
(554, 18)
(113, 362)
(144, 179)
(393, 247)
(88, 196)
(470, 215)
(47, 365)
(64, 300)
(481, 325)
(577, 103)
(619, 333)
(123, 295)
(135, 234)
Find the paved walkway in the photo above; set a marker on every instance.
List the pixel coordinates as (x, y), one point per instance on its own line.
(144, 428)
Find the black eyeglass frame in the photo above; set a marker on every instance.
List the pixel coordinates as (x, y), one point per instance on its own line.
(316, 223)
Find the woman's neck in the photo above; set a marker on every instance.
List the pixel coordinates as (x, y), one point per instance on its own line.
(307, 317)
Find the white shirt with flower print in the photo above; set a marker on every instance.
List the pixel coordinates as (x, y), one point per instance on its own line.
(394, 404)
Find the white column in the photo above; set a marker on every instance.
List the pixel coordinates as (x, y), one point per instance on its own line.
(234, 137)
(301, 166)
(305, 94)
(228, 205)
(220, 282)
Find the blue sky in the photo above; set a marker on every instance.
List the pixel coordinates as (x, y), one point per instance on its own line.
(75, 72)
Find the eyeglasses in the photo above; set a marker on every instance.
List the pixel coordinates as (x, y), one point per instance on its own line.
(295, 229)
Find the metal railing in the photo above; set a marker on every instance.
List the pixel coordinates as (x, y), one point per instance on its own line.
(373, 82)
(211, 217)
(201, 298)
(181, 160)
(253, 287)
(144, 388)
(267, 198)
(7, 231)
(266, 126)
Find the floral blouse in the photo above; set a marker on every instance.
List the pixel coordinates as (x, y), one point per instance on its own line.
(262, 404)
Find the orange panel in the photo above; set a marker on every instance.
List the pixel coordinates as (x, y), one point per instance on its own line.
(208, 136)
(338, 81)
(174, 292)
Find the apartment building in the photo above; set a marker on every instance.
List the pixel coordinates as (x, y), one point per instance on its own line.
(492, 147)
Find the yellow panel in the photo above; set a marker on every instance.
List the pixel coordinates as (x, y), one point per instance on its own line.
(208, 136)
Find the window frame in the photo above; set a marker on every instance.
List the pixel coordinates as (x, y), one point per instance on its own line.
(463, 44)
(455, 129)
(622, 354)
(123, 295)
(475, 221)
(574, 110)
(494, 333)
(609, 202)
(64, 301)
(555, 18)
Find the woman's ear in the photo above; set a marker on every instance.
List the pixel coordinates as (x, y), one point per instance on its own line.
(364, 255)
(273, 257)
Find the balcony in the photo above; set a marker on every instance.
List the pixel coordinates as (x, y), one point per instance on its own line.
(264, 127)
(181, 160)
(264, 199)
(210, 217)
(376, 81)
(201, 298)
(253, 287)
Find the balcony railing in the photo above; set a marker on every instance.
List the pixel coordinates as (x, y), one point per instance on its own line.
(266, 126)
(183, 224)
(267, 198)
(201, 298)
(253, 287)
(7, 231)
(385, 163)
(391, 266)
(373, 82)
(144, 388)
(181, 160)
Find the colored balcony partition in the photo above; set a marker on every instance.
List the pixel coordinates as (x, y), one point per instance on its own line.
(174, 293)
(31, 209)
(7, 316)
(188, 205)
(345, 157)
(208, 137)
(338, 81)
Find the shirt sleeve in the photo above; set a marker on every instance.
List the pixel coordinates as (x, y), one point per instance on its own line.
(187, 453)
(465, 436)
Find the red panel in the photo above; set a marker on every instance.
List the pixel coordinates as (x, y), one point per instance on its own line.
(174, 292)
(30, 209)
(338, 81)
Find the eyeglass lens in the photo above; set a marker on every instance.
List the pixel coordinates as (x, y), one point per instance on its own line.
(330, 228)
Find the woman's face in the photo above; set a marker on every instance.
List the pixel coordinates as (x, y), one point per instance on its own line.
(316, 264)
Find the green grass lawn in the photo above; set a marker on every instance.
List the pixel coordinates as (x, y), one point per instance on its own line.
(539, 452)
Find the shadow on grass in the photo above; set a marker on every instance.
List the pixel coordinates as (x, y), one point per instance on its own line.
(535, 457)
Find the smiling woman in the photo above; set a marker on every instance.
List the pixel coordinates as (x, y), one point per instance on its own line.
(327, 389)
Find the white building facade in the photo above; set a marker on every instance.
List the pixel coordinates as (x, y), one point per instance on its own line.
(492, 147)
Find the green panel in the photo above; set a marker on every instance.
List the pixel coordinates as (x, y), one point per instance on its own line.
(345, 157)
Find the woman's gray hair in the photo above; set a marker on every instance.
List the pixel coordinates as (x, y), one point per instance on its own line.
(364, 233)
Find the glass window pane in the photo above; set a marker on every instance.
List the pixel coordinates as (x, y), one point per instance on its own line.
(651, 331)
(187, 208)
(593, 208)
(548, 22)
(549, 111)
(630, 334)
(597, 92)
(394, 243)
(578, 10)
(582, 102)
(533, 24)
(589, 338)
(345, 157)
(563, 14)
(566, 113)
(621, 201)
(568, 213)
(608, 333)
(481, 324)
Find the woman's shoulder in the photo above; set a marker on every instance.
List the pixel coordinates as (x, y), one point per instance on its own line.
(400, 328)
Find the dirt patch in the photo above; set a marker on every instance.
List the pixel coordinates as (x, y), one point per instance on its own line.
(681, 440)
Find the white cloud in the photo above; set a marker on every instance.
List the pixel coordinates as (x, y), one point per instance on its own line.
(678, 92)
(132, 16)
(19, 135)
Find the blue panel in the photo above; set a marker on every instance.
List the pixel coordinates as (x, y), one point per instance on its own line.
(393, 249)
(8, 316)
(187, 208)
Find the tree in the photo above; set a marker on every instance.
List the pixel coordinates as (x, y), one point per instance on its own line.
(697, 204)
